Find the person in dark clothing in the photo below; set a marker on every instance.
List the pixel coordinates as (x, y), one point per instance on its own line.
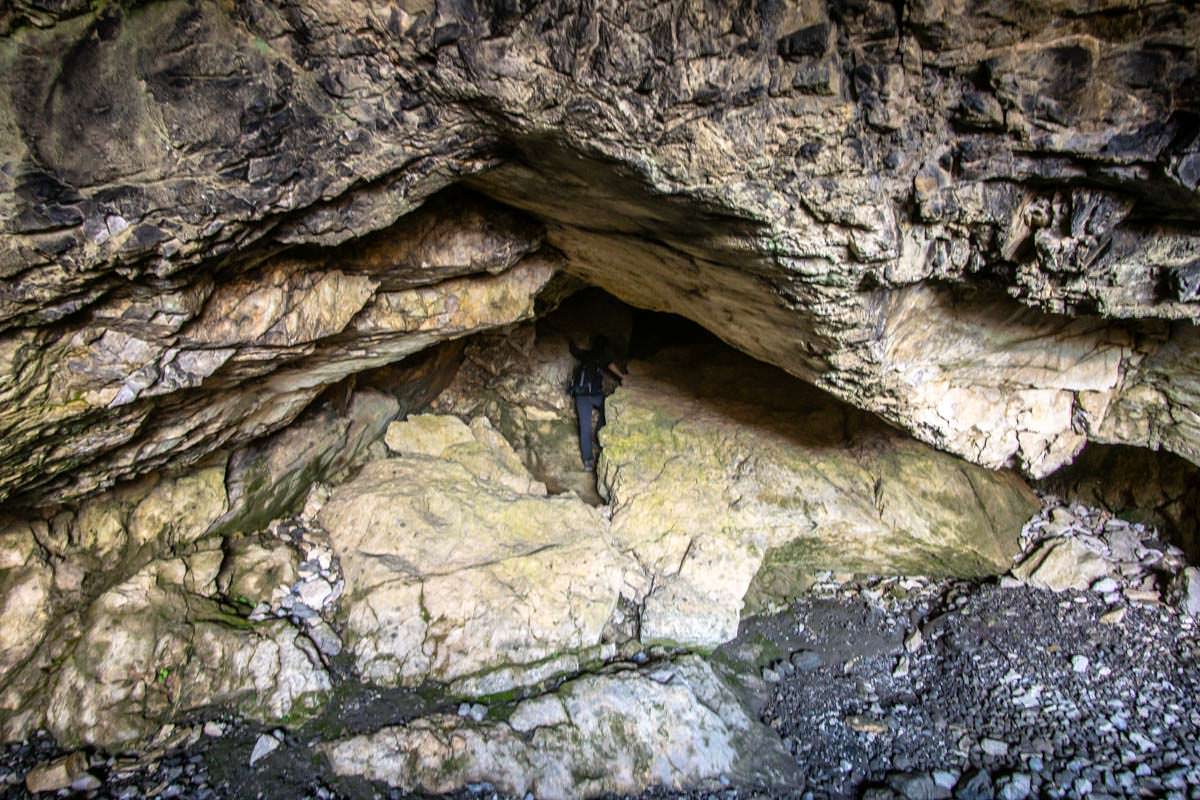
(588, 388)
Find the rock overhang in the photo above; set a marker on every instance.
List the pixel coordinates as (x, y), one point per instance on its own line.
(811, 224)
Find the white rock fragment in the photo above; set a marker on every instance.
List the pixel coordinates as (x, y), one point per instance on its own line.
(87, 782)
(265, 745)
(994, 747)
(1061, 564)
(1080, 664)
(1143, 744)
(1190, 591)
(315, 593)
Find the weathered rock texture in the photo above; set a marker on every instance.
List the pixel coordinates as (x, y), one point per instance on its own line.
(518, 379)
(723, 472)
(457, 563)
(975, 220)
(727, 478)
(121, 613)
(155, 377)
(1156, 488)
(676, 725)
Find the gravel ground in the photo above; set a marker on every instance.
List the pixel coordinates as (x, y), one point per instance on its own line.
(1015, 691)
(900, 688)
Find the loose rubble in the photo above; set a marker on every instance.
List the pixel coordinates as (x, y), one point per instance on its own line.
(1009, 691)
(885, 687)
(311, 601)
(1077, 547)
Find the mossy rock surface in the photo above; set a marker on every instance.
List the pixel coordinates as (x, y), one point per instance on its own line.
(733, 482)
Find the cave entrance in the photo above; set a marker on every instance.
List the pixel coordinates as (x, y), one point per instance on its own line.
(1153, 487)
(519, 377)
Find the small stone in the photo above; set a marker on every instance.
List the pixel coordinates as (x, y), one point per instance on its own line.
(913, 643)
(1143, 596)
(324, 637)
(901, 668)
(315, 593)
(303, 611)
(917, 786)
(1014, 787)
(994, 747)
(1061, 564)
(1143, 744)
(265, 745)
(87, 782)
(945, 778)
(865, 724)
(805, 660)
(1080, 664)
(1190, 591)
(978, 786)
(1113, 617)
(1105, 586)
(769, 675)
(56, 774)
(214, 729)
(478, 712)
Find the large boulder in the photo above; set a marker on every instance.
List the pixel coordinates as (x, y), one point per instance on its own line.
(458, 565)
(723, 472)
(25, 586)
(151, 649)
(674, 725)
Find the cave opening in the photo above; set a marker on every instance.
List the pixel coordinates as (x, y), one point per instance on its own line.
(1152, 487)
(434, 474)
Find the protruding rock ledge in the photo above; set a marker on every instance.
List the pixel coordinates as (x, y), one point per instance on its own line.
(674, 725)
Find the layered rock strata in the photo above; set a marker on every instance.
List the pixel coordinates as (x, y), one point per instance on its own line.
(152, 377)
(977, 222)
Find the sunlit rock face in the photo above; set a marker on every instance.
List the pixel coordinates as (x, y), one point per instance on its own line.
(976, 221)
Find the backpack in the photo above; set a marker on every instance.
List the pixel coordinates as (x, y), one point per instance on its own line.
(589, 379)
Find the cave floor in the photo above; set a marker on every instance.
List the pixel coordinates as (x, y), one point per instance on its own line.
(893, 688)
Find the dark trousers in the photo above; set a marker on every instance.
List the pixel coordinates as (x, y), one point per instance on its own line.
(584, 403)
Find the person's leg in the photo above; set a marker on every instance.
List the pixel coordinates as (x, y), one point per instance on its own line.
(583, 407)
